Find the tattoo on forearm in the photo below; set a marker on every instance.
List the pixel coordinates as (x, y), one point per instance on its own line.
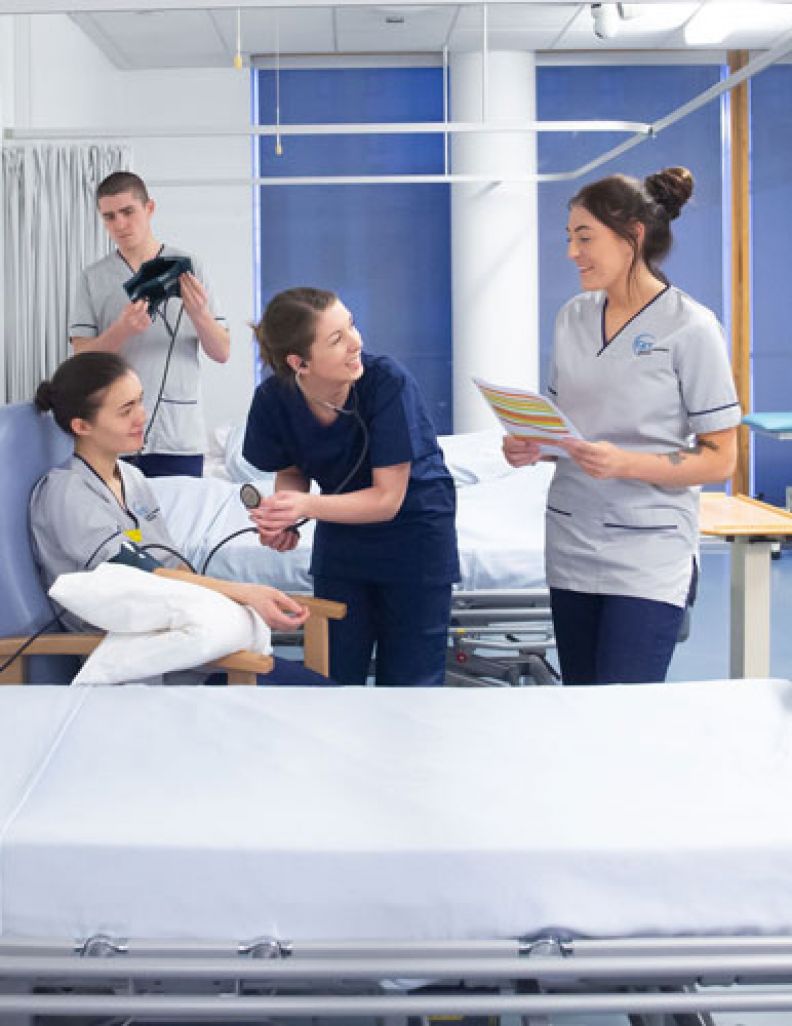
(695, 450)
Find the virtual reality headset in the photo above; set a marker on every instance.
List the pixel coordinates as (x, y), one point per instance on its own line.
(157, 280)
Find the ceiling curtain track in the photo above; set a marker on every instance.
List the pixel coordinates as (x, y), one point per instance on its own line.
(642, 132)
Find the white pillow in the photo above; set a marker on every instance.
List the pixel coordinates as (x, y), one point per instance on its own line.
(214, 457)
(237, 466)
(475, 456)
(155, 625)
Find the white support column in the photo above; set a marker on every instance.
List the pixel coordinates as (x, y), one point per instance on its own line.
(494, 245)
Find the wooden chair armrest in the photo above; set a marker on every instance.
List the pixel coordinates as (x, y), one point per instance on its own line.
(47, 644)
(316, 633)
(322, 607)
(242, 667)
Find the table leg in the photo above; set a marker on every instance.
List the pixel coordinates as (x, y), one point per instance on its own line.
(750, 608)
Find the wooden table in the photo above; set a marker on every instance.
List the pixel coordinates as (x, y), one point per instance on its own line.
(751, 528)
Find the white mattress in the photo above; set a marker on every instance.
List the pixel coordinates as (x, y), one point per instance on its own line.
(500, 526)
(229, 813)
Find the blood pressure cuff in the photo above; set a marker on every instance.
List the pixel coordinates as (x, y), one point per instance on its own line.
(131, 554)
(157, 280)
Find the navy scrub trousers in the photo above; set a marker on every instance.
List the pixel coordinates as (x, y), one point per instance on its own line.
(613, 639)
(408, 621)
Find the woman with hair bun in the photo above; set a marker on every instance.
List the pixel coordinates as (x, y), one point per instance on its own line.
(642, 371)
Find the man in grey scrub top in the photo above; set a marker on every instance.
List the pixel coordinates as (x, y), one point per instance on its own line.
(642, 371)
(164, 351)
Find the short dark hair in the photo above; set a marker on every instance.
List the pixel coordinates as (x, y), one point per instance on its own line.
(288, 327)
(77, 387)
(618, 202)
(123, 181)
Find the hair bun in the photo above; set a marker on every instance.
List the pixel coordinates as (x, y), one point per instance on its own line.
(670, 188)
(43, 396)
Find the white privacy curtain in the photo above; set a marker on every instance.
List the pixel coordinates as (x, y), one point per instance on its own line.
(51, 231)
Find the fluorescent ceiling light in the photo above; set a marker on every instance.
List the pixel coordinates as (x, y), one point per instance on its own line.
(716, 20)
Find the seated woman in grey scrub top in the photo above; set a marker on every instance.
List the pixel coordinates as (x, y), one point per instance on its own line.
(642, 372)
(88, 511)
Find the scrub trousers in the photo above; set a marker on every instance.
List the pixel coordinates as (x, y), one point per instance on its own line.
(284, 672)
(613, 639)
(408, 623)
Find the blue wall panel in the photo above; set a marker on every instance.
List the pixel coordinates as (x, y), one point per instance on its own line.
(630, 94)
(771, 181)
(384, 248)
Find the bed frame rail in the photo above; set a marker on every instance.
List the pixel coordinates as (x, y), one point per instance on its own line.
(336, 980)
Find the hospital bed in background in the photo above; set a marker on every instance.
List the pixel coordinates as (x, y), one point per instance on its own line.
(501, 629)
(224, 855)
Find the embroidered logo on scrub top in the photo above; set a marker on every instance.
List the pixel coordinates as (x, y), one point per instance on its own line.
(142, 512)
(644, 345)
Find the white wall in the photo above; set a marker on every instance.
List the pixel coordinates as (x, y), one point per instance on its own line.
(61, 80)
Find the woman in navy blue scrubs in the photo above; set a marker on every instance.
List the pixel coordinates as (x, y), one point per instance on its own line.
(385, 540)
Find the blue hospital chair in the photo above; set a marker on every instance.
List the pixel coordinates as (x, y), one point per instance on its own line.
(30, 445)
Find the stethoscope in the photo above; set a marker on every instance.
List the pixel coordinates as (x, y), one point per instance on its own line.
(251, 497)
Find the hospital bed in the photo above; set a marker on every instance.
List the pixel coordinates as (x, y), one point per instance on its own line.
(501, 627)
(224, 855)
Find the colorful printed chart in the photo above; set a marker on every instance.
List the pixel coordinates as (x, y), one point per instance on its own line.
(528, 414)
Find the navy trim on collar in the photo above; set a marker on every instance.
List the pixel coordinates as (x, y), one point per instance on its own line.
(607, 341)
(122, 257)
(99, 477)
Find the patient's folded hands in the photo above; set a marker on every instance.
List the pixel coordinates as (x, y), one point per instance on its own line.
(278, 610)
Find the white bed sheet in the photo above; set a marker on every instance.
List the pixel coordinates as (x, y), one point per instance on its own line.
(500, 526)
(213, 813)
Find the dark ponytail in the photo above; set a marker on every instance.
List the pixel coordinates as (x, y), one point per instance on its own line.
(78, 386)
(618, 202)
(43, 397)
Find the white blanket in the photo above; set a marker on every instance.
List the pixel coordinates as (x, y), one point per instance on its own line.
(222, 813)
